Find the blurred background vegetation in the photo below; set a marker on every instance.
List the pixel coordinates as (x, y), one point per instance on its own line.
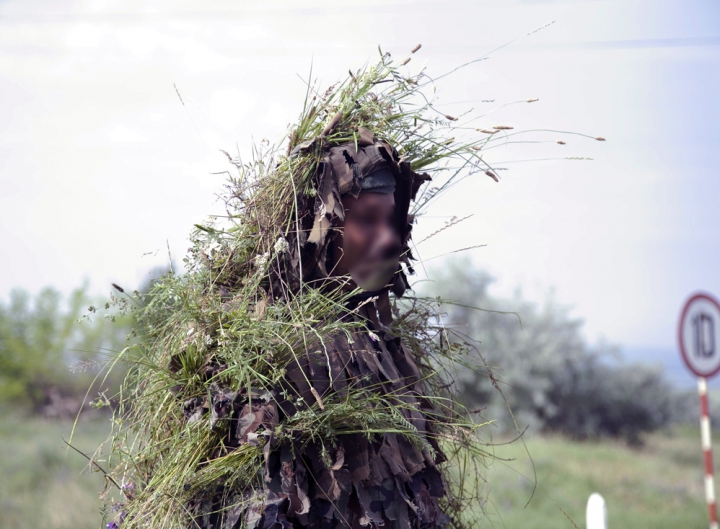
(553, 379)
(51, 350)
(591, 421)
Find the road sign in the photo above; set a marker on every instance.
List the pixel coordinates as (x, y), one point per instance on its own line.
(699, 340)
(699, 335)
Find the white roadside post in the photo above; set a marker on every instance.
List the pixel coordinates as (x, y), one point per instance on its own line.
(700, 348)
(707, 453)
(596, 512)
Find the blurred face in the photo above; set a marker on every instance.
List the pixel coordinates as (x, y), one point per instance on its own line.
(368, 245)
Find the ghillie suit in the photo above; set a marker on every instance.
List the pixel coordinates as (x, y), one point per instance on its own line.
(350, 479)
(265, 394)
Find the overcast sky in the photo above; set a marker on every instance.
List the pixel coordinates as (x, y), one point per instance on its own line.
(101, 165)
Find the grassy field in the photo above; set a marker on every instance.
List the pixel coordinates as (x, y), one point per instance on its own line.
(659, 486)
(41, 486)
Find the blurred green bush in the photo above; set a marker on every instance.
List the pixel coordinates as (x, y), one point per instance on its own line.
(552, 378)
(52, 350)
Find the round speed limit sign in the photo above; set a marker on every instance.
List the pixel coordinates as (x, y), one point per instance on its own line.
(699, 335)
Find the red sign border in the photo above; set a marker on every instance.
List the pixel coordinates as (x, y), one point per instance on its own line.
(683, 353)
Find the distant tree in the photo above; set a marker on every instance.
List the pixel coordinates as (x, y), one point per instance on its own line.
(551, 377)
(50, 353)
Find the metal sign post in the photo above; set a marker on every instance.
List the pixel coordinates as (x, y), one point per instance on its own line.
(698, 337)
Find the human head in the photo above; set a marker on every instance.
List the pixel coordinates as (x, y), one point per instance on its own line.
(352, 178)
(368, 243)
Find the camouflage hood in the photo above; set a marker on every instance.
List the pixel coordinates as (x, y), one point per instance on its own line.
(342, 171)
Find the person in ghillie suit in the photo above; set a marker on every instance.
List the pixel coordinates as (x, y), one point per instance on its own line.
(360, 229)
(284, 381)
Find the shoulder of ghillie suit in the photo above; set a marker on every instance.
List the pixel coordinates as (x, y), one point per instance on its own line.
(341, 171)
